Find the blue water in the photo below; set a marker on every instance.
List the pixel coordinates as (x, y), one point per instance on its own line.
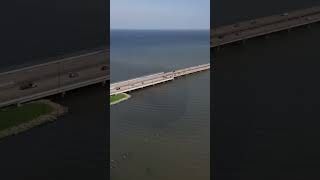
(165, 129)
(140, 52)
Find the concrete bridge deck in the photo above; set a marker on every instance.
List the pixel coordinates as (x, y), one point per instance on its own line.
(153, 79)
(38, 81)
(263, 26)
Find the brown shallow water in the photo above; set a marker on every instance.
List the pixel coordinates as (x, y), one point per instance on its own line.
(161, 132)
(164, 132)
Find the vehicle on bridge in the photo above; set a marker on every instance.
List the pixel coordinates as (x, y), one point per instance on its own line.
(28, 85)
(103, 68)
(73, 75)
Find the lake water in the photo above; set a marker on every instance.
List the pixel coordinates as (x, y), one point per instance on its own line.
(73, 147)
(266, 99)
(266, 120)
(164, 131)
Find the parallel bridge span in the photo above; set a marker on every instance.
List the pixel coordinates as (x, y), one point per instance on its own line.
(263, 26)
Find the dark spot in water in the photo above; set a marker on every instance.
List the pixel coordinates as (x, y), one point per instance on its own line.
(148, 171)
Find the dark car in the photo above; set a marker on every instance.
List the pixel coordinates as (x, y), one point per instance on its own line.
(28, 85)
(103, 68)
(73, 75)
(221, 36)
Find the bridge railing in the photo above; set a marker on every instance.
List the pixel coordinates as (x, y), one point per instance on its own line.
(262, 26)
(149, 80)
(45, 79)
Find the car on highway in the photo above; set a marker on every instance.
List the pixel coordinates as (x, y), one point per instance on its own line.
(220, 36)
(103, 68)
(28, 85)
(73, 75)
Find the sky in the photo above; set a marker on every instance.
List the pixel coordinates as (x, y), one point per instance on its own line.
(160, 14)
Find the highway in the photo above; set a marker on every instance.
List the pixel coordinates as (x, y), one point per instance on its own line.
(38, 81)
(153, 79)
(263, 26)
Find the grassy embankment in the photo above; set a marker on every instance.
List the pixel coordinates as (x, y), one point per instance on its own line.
(114, 99)
(13, 116)
(14, 120)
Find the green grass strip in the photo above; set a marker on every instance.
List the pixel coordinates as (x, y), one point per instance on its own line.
(114, 99)
(13, 116)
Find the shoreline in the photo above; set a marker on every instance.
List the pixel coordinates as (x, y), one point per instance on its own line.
(127, 96)
(57, 111)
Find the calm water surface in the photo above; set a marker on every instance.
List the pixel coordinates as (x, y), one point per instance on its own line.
(163, 131)
(266, 99)
(73, 147)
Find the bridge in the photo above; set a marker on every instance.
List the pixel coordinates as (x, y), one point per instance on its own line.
(42, 80)
(263, 26)
(153, 79)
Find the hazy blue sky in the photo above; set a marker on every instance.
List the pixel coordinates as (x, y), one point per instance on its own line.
(160, 14)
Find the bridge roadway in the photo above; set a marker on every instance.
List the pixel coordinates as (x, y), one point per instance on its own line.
(38, 81)
(153, 79)
(263, 26)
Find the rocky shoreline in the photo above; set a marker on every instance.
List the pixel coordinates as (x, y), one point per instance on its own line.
(57, 111)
